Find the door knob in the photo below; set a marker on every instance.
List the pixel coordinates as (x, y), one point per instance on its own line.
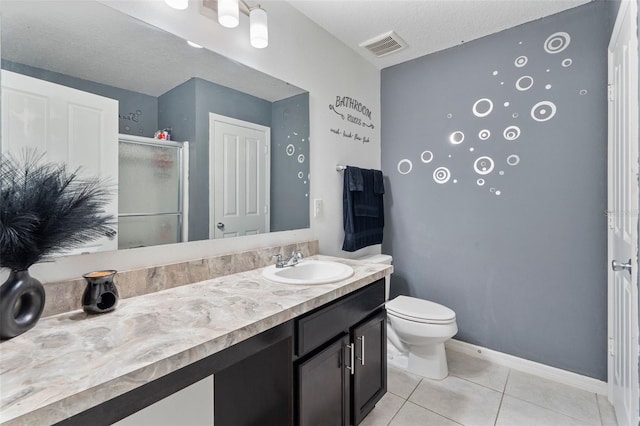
(220, 225)
(619, 266)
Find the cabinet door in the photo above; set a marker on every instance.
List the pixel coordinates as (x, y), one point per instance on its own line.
(370, 379)
(323, 386)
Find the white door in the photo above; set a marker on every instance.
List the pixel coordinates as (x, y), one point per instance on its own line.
(238, 177)
(623, 216)
(68, 125)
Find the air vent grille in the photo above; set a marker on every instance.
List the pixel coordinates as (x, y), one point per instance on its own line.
(384, 44)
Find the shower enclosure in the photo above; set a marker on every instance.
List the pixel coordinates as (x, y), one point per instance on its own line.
(152, 191)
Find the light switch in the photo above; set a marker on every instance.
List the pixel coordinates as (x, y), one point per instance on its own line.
(317, 207)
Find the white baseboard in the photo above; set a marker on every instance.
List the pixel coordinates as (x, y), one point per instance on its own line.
(556, 374)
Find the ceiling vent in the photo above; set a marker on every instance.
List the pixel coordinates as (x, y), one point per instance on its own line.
(384, 44)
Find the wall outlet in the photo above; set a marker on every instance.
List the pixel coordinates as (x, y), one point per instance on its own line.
(317, 208)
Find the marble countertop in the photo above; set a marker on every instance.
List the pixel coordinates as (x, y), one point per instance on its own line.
(71, 362)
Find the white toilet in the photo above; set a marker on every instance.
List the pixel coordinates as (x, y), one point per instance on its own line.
(416, 330)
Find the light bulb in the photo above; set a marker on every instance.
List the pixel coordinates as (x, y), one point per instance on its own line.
(258, 29)
(228, 13)
(178, 4)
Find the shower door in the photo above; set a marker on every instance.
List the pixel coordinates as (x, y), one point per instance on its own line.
(152, 191)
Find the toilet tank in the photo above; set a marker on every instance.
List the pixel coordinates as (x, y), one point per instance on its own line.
(384, 259)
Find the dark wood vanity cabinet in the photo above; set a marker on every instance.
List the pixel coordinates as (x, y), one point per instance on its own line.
(341, 372)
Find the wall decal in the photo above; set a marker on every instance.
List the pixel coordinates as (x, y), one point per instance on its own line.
(301, 158)
(524, 83)
(543, 111)
(491, 167)
(290, 149)
(300, 175)
(482, 107)
(441, 175)
(521, 61)
(405, 166)
(355, 114)
(456, 137)
(557, 42)
(511, 133)
(426, 156)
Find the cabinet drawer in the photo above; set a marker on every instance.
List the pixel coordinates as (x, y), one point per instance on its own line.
(323, 324)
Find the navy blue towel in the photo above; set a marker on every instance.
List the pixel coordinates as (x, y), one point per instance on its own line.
(363, 208)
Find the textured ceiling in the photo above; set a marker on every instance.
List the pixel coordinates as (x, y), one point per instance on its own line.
(427, 26)
(94, 42)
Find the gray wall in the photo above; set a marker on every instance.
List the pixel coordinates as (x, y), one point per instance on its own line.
(290, 173)
(521, 259)
(138, 112)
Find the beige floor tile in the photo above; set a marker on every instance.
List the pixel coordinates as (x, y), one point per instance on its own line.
(477, 370)
(384, 410)
(515, 412)
(401, 382)
(458, 400)
(607, 413)
(411, 415)
(555, 396)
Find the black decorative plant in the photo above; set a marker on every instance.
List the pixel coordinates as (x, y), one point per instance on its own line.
(44, 210)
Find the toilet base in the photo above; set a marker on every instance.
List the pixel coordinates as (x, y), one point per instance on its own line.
(428, 361)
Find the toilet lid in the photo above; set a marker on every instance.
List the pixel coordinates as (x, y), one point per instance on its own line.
(420, 310)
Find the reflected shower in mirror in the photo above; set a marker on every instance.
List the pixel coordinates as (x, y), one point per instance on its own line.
(96, 88)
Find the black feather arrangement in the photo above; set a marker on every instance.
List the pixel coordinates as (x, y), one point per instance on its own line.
(44, 209)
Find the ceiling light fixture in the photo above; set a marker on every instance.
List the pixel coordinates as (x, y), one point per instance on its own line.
(178, 4)
(258, 29)
(228, 13)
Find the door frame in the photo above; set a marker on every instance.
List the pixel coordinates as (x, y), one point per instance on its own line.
(625, 7)
(219, 118)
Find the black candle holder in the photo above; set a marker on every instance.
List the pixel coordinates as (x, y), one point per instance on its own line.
(101, 294)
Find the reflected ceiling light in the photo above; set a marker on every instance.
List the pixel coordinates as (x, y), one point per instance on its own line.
(178, 4)
(258, 29)
(228, 13)
(192, 44)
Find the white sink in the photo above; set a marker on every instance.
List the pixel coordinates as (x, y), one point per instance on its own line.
(309, 272)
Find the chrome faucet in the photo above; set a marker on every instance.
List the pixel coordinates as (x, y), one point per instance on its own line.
(296, 256)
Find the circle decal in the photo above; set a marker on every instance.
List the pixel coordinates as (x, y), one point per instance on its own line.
(515, 115)
(521, 61)
(524, 83)
(513, 160)
(301, 158)
(484, 134)
(543, 111)
(482, 107)
(506, 104)
(583, 92)
(511, 133)
(441, 175)
(483, 165)
(456, 137)
(557, 42)
(449, 115)
(405, 166)
(426, 156)
(567, 62)
(495, 72)
(480, 182)
(472, 149)
(291, 150)
(548, 86)
(300, 175)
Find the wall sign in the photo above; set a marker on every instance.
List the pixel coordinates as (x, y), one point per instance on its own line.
(356, 117)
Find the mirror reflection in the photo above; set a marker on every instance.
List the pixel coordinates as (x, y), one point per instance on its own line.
(200, 146)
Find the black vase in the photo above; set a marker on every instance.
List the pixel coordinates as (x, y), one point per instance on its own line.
(21, 303)
(101, 294)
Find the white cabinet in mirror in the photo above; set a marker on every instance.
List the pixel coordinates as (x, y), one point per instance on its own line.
(135, 79)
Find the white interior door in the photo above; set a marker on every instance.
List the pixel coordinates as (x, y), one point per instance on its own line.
(239, 177)
(623, 216)
(68, 125)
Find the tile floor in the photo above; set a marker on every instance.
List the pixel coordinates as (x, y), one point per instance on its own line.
(480, 393)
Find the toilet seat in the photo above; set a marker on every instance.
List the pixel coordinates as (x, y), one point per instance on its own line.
(420, 310)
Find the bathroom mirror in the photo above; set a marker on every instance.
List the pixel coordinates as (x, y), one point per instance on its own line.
(156, 81)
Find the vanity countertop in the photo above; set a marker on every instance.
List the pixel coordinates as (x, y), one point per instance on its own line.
(71, 362)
